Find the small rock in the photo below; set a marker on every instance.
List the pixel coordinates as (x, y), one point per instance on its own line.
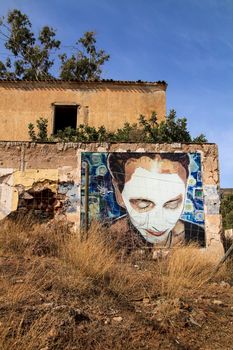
(52, 333)
(224, 284)
(215, 284)
(60, 308)
(107, 321)
(192, 321)
(46, 305)
(19, 281)
(146, 300)
(117, 319)
(217, 302)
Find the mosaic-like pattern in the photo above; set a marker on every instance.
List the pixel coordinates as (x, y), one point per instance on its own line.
(161, 195)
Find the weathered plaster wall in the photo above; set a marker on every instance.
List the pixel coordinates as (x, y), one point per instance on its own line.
(100, 103)
(48, 177)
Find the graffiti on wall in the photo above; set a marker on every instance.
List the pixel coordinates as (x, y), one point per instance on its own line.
(152, 198)
(143, 198)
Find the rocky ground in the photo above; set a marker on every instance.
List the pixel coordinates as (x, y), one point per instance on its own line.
(50, 301)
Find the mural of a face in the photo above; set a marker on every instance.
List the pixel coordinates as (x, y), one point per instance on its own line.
(153, 195)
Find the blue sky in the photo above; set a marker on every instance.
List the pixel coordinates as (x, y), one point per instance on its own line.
(187, 43)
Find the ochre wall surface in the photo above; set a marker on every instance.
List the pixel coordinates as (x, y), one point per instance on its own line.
(99, 103)
(48, 178)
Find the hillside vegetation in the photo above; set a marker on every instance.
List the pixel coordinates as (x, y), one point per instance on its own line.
(58, 291)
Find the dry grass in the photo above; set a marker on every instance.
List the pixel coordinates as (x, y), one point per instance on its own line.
(93, 256)
(183, 275)
(48, 273)
(24, 335)
(26, 237)
(188, 268)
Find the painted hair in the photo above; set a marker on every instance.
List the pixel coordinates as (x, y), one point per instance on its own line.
(117, 161)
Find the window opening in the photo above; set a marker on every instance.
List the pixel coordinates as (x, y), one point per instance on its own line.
(64, 116)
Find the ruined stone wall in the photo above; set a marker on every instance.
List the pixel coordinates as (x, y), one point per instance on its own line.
(98, 103)
(48, 178)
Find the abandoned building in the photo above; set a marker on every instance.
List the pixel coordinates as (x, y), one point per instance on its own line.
(71, 103)
(147, 193)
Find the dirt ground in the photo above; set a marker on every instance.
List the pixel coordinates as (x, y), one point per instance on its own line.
(42, 313)
(59, 292)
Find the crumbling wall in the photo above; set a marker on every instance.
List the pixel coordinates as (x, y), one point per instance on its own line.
(46, 178)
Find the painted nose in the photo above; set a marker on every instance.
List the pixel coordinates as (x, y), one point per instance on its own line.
(157, 220)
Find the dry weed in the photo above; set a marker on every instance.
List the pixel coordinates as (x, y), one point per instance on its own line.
(93, 257)
(13, 237)
(188, 268)
(23, 333)
(47, 272)
(25, 236)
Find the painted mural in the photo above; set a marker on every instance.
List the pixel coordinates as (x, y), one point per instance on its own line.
(146, 199)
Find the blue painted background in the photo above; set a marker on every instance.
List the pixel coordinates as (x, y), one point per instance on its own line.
(102, 202)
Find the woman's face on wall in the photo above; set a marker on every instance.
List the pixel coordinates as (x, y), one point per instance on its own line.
(154, 194)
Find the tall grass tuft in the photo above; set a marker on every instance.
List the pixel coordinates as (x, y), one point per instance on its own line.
(93, 256)
(188, 268)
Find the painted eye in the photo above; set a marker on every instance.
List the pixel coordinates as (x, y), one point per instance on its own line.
(172, 205)
(141, 205)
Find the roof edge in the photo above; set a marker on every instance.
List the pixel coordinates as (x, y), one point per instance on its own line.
(180, 144)
(91, 82)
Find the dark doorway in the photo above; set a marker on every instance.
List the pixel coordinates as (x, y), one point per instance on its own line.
(64, 116)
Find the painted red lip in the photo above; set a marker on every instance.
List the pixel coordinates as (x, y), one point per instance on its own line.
(155, 233)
